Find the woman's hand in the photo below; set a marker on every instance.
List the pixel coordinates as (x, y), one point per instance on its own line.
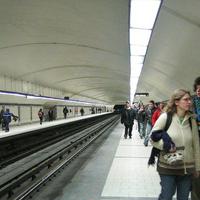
(173, 149)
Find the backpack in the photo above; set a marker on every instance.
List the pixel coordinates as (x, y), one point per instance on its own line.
(40, 113)
(169, 121)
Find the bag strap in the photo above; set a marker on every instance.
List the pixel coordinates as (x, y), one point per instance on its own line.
(190, 122)
(168, 121)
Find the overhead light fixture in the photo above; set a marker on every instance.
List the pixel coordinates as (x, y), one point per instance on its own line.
(144, 94)
(142, 20)
(40, 97)
(12, 93)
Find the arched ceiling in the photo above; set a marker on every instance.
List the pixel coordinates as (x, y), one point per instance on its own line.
(172, 59)
(78, 46)
(82, 47)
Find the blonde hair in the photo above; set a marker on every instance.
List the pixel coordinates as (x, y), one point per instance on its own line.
(177, 95)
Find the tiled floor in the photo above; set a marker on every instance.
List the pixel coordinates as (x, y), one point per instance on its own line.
(129, 175)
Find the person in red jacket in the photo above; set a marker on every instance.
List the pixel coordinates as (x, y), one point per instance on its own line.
(157, 113)
(41, 115)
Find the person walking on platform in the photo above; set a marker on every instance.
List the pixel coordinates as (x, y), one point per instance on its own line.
(7, 118)
(141, 121)
(127, 118)
(157, 112)
(1, 119)
(65, 112)
(196, 108)
(82, 111)
(50, 114)
(92, 110)
(178, 145)
(149, 113)
(41, 115)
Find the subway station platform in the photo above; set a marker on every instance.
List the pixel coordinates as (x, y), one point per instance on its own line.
(18, 129)
(117, 170)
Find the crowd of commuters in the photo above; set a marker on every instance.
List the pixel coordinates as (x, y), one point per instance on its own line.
(174, 132)
(143, 116)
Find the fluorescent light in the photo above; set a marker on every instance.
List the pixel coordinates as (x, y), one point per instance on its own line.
(137, 60)
(138, 50)
(40, 97)
(142, 19)
(133, 82)
(136, 70)
(12, 93)
(139, 36)
(143, 13)
(32, 97)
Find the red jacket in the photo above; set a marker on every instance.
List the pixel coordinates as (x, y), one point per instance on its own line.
(155, 116)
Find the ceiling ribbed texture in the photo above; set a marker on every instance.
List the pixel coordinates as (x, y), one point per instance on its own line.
(78, 46)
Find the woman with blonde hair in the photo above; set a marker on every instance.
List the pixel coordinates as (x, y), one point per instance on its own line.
(181, 139)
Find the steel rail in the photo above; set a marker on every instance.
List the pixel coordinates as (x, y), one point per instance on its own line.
(82, 140)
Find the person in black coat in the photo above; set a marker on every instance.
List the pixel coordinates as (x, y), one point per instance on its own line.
(65, 112)
(127, 118)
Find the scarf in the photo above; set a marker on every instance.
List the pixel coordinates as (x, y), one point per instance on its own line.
(167, 144)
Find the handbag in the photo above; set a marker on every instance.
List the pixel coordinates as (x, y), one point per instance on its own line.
(175, 158)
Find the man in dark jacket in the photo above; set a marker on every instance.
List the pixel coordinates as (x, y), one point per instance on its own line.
(127, 118)
(65, 112)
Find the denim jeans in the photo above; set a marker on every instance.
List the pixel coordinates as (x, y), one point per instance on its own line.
(170, 184)
(147, 133)
(142, 130)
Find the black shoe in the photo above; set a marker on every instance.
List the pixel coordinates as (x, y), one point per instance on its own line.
(125, 137)
(130, 137)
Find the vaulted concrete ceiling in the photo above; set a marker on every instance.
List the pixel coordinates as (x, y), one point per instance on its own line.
(78, 46)
(173, 59)
(82, 47)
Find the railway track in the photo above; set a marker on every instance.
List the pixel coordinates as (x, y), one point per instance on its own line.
(19, 146)
(29, 178)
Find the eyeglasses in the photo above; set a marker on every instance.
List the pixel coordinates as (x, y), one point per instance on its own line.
(186, 99)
